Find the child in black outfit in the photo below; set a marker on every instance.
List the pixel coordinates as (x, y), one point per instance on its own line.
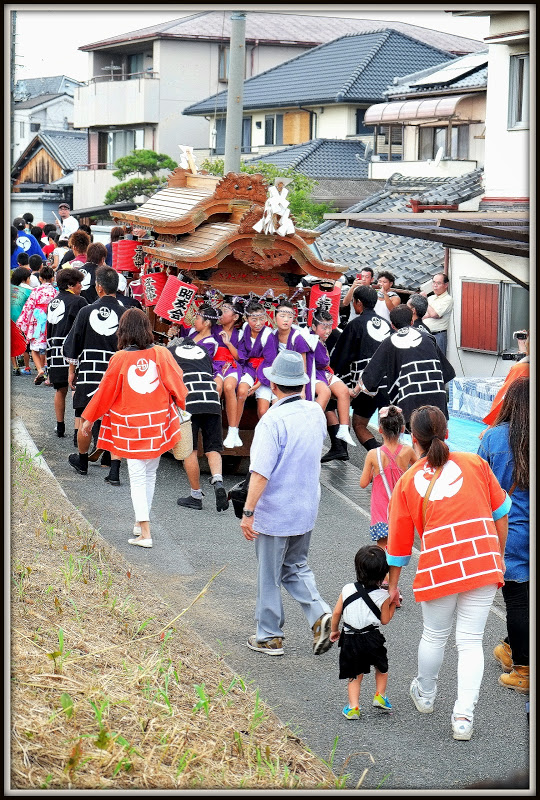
(363, 605)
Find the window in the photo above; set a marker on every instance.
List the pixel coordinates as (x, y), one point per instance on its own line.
(114, 144)
(490, 313)
(35, 126)
(223, 65)
(454, 141)
(21, 129)
(246, 135)
(518, 101)
(135, 65)
(360, 127)
(389, 142)
(273, 129)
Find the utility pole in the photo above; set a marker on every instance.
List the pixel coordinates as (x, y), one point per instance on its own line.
(235, 93)
(12, 87)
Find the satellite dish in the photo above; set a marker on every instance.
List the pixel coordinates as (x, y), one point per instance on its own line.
(438, 157)
(368, 152)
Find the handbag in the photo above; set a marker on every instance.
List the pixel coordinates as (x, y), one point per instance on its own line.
(238, 494)
(184, 448)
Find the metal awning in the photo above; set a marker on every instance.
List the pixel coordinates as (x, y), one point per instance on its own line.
(432, 108)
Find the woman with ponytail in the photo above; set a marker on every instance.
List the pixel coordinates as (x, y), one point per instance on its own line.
(460, 512)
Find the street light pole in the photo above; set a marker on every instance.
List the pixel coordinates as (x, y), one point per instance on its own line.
(235, 93)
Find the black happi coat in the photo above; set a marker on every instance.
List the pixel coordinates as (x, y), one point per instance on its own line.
(198, 377)
(61, 314)
(90, 344)
(88, 290)
(127, 301)
(359, 341)
(414, 369)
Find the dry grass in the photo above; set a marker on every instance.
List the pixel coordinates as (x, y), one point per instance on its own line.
(108, 690)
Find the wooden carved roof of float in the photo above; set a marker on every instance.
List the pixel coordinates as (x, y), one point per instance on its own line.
(186, 239)
(212, 243)
(191, 199)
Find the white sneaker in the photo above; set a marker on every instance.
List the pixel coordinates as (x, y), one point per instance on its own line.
(423, 703)
(141, 542)
(230, 440)
(462, 728)
(344, 435)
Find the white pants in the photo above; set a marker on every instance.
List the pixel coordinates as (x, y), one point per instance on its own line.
(472, 611)
(142, 479)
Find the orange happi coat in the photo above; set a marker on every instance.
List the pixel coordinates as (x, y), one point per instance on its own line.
(460, 546)
(136, 398)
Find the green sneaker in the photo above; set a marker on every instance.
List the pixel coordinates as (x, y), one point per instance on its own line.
(381, 701)
(351, 713)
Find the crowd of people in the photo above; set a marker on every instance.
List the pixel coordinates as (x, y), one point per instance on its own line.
(86, 335)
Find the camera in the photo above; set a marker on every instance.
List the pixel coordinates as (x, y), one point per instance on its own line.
(520, 335)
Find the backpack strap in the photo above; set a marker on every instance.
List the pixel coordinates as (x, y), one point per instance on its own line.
(381, 473)
(426, 496)
(361, 593)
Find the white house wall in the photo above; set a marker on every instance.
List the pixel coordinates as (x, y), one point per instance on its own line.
(507, 151)
(333, 123)
(463, 265)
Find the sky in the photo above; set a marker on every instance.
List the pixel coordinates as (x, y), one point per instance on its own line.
(47, 36)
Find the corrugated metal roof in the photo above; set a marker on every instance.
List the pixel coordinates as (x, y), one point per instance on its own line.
(279, 27)
(353, 69)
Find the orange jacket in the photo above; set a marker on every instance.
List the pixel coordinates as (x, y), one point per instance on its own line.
(136, 398)
(519, 370)
(460, 547)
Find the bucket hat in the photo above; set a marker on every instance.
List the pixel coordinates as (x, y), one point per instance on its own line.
(287, 369)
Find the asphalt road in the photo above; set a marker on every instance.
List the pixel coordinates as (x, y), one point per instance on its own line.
(401, 750)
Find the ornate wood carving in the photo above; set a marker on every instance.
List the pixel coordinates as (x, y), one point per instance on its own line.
(250, 218)
(261, 258)
(242, 185)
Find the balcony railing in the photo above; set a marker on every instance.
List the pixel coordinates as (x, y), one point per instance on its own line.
(124, 76)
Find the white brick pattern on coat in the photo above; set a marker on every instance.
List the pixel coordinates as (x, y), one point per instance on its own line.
(453, 554)
(417, 377)
(148, 432)
(55, 356)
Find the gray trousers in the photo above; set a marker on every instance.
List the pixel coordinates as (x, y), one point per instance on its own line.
(282, 560)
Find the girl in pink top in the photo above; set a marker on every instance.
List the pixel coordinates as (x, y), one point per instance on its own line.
(384, 466)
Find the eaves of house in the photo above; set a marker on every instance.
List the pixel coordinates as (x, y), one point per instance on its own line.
(67, 148)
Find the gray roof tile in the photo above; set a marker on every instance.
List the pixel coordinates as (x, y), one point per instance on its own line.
(321, 158)
(413, 261)
(69, 148)
(353, 69)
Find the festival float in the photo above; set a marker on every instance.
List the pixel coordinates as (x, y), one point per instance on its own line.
(206, 239)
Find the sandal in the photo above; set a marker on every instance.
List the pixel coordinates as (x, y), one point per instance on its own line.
(40, 378)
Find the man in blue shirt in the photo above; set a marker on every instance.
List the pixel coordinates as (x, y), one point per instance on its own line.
(282, 505)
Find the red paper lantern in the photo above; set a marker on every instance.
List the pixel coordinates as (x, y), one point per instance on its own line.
(327, 300)
(122, 255)
(152, 285)
(175, 299)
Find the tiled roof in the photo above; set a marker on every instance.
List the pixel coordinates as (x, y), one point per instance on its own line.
(453, 190)
(321, 158)
(69, 148)
(413, 261)
(278, 28)
(32, 87)
(353, 69)
(37, 101)
(475, 79)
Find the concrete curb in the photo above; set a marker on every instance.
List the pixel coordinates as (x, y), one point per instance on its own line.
(20, 436)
